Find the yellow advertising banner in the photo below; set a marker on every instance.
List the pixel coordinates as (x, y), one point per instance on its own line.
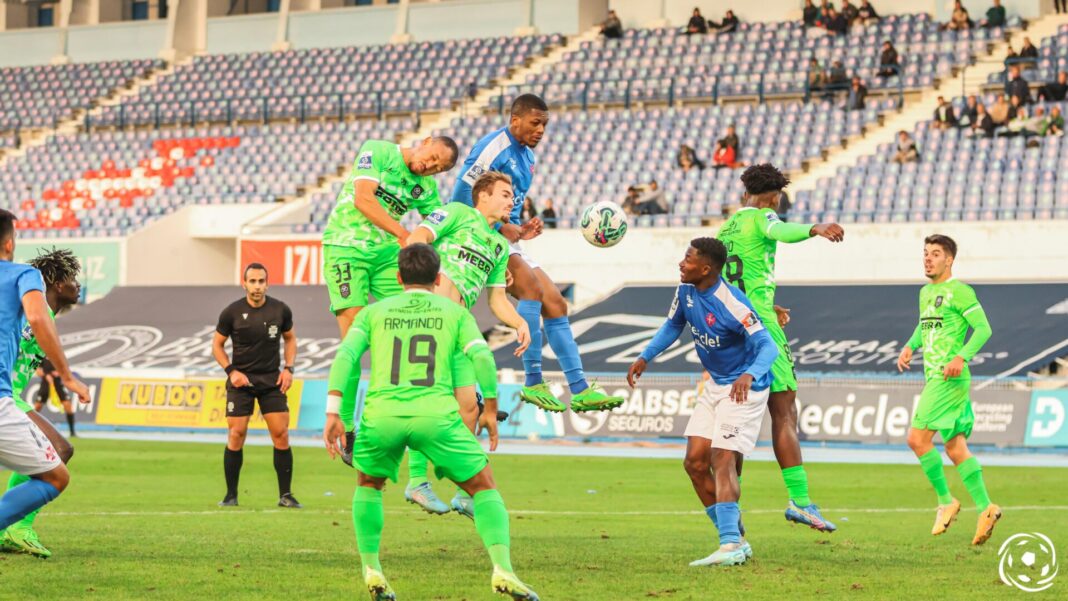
(176, 404)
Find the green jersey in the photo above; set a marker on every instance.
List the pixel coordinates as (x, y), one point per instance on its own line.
(473, 254)
(947, 310)
(399, 190)
(752, 236)
(413, 338)
(29, 359)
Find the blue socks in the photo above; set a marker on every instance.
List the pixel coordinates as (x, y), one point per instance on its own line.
(711, 511)
(24, 498)
(562, 341)
(530, 311)
(727, 518)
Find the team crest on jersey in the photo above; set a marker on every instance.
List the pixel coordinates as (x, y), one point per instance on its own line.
(497, 251)
(710, 319)
(749, 319)
(771, 217)
(364, 162)
(417, 191)
(437, 216)
(27, 332)
(475, 171)
(345, 290)
(938, 301)
(272, 331)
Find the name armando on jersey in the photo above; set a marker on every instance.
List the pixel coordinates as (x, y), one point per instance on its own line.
(410, 323)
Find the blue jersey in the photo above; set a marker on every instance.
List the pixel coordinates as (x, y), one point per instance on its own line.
(16, 280)
(729, 337)
(499, 151)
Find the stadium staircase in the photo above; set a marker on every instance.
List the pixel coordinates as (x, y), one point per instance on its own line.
(966, 82)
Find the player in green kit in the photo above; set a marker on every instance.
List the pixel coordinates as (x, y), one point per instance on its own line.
(752, 236)
(413, 338)
(948, 307)
(59, 270)
(474, 256)
(363, 236)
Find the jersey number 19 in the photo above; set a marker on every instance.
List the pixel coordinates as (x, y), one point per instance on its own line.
(426, 359)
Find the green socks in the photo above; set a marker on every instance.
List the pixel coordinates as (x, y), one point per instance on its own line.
(12, 482)
(368, 517)
(416, 468)
(796, 480)
(972, 475)
(491, 521)
(931, 462)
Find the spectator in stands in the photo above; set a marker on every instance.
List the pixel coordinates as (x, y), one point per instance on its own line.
(697, 23)
(1015, 106)
(687, 159)
(836, 23)
(1055, 91)
(1061, 6)
(1028, 51)
(731, 139)
(960, 20)
(1017, 86)
(1053, 125)
(816, 76)
(810, 14)
(906, 149)
(630, 203)
(944, 117)
(653, 201)
(995, 16)
(888, 62)
(612, 27)
(729, 24)
(1023, 124)
(999, 113)
(529, 211)
(867, 13)
(849, 13)
(548, 214)
(837, 76)
(857, 93)
(969, 113)
(724, 156)
(1010, 56)
(983, 126)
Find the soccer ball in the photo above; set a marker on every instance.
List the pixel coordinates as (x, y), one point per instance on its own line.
(1028, 561)
(603, 224)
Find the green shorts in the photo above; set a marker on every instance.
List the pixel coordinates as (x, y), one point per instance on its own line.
(444, 439)
(352, 274)
(783, 376)
(463, 371)
(944, 406)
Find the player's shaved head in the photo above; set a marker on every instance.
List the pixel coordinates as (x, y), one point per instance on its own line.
(453, 149)
(949, 246)
(711, 249)
(524, 103)
(418, 265)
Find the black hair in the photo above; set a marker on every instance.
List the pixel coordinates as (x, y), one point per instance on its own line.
(453, 148)
(7, 225)
(57, 265)
(947, 243)
(762, 178)
(525, 103)
(252, 266)
(418, 264)
(711, 249)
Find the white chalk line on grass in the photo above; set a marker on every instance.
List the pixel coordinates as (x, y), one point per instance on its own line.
(240, 512)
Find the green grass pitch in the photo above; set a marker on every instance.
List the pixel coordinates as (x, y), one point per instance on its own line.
(139, 521)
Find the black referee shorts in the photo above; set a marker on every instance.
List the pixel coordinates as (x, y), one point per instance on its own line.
(240, 402)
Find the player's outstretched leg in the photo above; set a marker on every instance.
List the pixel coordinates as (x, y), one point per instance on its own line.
(20, 536)
(369, 518)
(931, 461)
(972, 476)
(418, 491)
(724, 511)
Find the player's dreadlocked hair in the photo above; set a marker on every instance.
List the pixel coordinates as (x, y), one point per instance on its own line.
(56, 265)
(762, 178)
(711, 249)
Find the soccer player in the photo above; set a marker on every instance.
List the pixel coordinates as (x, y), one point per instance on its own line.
(363, 236)
(59, 268)
(24, 449)
(948, 307)
(413, 338)
(510, 150)
(50, 380)
(752, 236)
(735, 348)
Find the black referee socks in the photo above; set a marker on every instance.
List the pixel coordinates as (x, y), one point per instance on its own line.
(283, 466)
(232, 468)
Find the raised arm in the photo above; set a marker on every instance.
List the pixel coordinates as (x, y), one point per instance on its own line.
(504, 310)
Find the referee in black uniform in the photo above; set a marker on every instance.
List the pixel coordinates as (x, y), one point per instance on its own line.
(257, 323)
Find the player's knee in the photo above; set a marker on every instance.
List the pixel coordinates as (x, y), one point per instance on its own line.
(917, 441)
(553, 304)
(58, 477)
(697, 466)
(236, 438)
(280, 439)
(65, 450)
(526, 288)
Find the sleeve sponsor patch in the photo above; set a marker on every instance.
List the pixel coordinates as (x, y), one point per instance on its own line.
(674, 305)
(474, 173)
(437, 216)
(364, 162)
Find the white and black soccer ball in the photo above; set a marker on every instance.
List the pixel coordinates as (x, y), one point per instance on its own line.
(603, 224)
(1028, 561)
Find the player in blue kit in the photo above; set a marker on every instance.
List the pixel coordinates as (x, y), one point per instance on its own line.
(510, 151)
(737, 351)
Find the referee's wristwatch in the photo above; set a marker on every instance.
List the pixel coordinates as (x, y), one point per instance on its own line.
(289, 368)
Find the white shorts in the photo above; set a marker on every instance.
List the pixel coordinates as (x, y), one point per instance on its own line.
(729, 425)
(24, 449)
(515, 249)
